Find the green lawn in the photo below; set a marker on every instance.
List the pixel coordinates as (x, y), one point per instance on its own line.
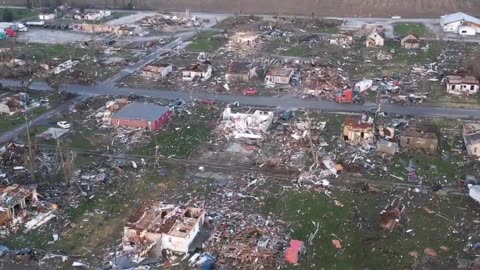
(207, 42)
(402, 29)
(182, 135)
(8, 122)
(297, 50)
(15, 14)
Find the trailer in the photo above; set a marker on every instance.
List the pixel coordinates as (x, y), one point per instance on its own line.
(35, 23)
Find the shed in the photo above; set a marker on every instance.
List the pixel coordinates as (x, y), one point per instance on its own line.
(142, 115)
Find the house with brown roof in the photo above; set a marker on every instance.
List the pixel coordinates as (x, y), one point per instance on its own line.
(419, 138)
(358, 130)
(278, 75)
(240, 72)
(410, 41)
(471, 138)
(458, 85)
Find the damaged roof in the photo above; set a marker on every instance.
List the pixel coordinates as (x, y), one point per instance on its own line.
(197, 67)
(239, 67)
(280, 72)
(355, 122)
(420, 132)
(471, 133)
(455, 79)
(12, 195)
(141, 111)
(459, 16)
(159, 217)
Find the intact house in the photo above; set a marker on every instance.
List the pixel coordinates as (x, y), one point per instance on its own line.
(375, 39)
(197, 72)
(240, 72)
(410, 41)
(142, 115)
(460, 23)
(157, 226)
(279, 75)
(156, 71)
(246, 125)
(471, 138)
(458, 85)
(244, 38)
(358, 130)
(416, 138)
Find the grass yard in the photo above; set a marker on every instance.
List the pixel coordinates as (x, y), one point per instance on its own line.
(353, 218)
(182, 134)
(16, 14)
(402, 29)
(207, 42)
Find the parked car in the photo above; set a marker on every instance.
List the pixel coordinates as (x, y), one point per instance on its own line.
(3, 250)
(250, 92)
(63, 124)
(208, 101)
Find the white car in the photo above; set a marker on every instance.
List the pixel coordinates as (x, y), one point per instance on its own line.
(63, 124)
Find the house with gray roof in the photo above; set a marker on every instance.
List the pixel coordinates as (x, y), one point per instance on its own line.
(455, 22)
(142, 115)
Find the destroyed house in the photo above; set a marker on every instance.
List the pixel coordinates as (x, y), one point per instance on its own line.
(416, 138)
(13, 200)
(244, 125)
(279, 75)
(240, 72)
(458, 85)
(410, 41)
(357, 130)
(197, 72)
(376, 39)
(142, 115)
(244, 38)
(156, 71)
(157, 226)
(471, 138)
(343, 39)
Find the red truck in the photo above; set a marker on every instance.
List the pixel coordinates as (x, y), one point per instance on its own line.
(10, 32)
(349, 96)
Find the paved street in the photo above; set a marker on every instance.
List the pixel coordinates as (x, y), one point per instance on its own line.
(281, 102)
(13, 133)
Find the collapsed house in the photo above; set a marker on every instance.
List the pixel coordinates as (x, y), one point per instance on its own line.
(410, 41)
(387, 147)
(416, 138)
(343, 39)
(244, 38)
(157, 226)
(14, 200)
(471, 138)
(245, 125)
(156, 71)
(458, 85)
(391, 215)
(278, 75)
(197, 72)
(376, 39)
(324, 80)
(358, 130)
(240, 72)
(15, 103)
(142, 115)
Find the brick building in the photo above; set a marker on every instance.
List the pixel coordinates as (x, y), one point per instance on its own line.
(142, 115)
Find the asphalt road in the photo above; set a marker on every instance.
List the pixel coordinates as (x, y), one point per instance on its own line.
(14, 133)
(286, 102)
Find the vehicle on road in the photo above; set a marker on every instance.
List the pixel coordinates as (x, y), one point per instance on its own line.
(3, 36)
(250, 92)
(3, 250)
(63, 124)
(208, 101)
(10, 32)
(350, 97)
